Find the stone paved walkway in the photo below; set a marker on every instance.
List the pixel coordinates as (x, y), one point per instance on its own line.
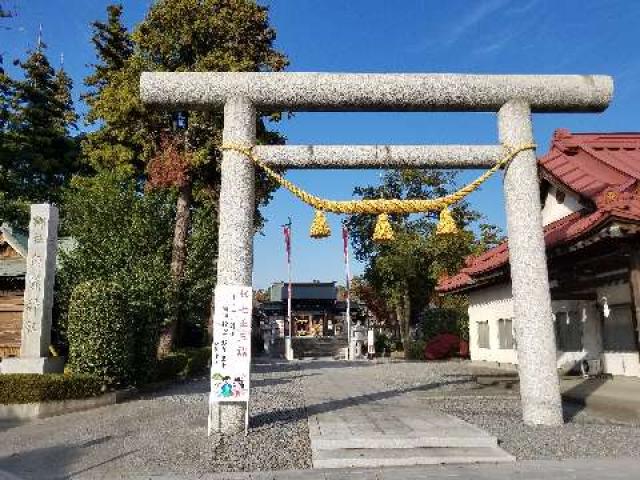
(355, 422)
(583, 469)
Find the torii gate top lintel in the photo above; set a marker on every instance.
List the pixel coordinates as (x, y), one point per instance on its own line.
(376, 91)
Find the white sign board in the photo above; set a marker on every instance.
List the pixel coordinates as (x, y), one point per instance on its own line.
(371, 348)
(231, 350)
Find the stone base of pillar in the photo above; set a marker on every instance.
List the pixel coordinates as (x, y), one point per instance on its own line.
(227, 418)
(32, 365)
(288, 349)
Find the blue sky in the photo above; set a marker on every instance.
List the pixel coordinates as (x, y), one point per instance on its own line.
(464, 36)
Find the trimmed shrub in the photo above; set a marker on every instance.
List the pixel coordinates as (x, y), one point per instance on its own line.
(122, 235)
(101, 337)
(34, 387)
(382, 344)
(415, 350)
(184, 363)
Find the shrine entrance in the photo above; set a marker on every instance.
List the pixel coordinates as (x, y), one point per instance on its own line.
(513, 97)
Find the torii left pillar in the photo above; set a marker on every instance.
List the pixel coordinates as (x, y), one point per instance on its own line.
(236, 230)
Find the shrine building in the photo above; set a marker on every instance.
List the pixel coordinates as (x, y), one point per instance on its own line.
(590, 189)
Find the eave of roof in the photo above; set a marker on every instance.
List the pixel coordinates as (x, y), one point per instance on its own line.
(576, 162)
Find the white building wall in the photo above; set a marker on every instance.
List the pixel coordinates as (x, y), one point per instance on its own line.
(495, 302)
(490, 304)
(554, 210)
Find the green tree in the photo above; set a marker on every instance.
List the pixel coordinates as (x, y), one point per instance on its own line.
(178, 151)
(39, 156)
(63, 85)
(6, 94)
(121, 238)
(4, 12)
(120, 141)
(113, 46)
(406, 270)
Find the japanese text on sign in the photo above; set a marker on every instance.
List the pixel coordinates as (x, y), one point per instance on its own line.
(231, 351)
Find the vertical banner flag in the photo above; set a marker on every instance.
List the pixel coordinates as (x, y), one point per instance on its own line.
(347, 274)
(345, 246)
(287, 243)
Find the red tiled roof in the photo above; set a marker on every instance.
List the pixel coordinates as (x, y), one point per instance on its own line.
(589, 163)
(603, 168)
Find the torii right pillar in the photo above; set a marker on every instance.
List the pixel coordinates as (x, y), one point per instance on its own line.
(535, 334)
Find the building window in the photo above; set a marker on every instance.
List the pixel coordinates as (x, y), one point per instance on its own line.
(568, 332)
(560, 196)
(483, 335)
(505, 332)
(618, 334)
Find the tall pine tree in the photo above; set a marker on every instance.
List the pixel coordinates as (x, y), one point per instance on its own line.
(6, 92)
(113, 47)
(121, 142)
(40, 156)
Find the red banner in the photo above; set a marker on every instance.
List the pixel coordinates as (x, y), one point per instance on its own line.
(287, 242)
(345, 250)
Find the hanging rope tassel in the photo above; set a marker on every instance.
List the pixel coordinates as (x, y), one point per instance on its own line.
(319, 226)
(382, 231)
(446, 225)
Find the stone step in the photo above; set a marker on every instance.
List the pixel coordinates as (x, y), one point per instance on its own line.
(371, 457)
(444, 439)
(305, 347)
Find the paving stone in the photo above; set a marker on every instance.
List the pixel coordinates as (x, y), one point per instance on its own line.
(354, 423)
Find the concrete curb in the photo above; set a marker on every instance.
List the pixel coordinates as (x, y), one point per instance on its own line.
(26, 411)
(23, 411)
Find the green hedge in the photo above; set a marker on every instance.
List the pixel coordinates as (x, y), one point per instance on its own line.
(415, 350)
(184, 363)
(101, 337)
(33, 387)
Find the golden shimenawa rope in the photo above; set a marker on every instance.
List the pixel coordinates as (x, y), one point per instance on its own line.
(380, 205)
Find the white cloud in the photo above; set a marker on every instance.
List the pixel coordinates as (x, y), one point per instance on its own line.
(472, 19)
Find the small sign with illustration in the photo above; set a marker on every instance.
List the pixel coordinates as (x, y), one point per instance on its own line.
(231, 351)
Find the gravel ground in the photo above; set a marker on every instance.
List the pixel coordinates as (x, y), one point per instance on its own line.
(164, 432)
(279, 436)
(451, 388)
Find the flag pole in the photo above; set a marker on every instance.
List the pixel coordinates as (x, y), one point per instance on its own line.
(347, 272)
(288, 341)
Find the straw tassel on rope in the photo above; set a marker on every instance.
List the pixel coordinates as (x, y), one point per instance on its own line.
(446, 225)
(319, 227)
(382, 231)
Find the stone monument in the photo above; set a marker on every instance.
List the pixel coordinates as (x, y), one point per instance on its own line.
(38, 296)
(358, 337)
(512, 97)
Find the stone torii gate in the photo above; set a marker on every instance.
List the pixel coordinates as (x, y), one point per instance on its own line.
(513, 97)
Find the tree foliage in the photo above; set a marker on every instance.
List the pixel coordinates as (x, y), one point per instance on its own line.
(404, 273)
(174, 150)
(176, 35)
(38, 154)
(121, 237)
